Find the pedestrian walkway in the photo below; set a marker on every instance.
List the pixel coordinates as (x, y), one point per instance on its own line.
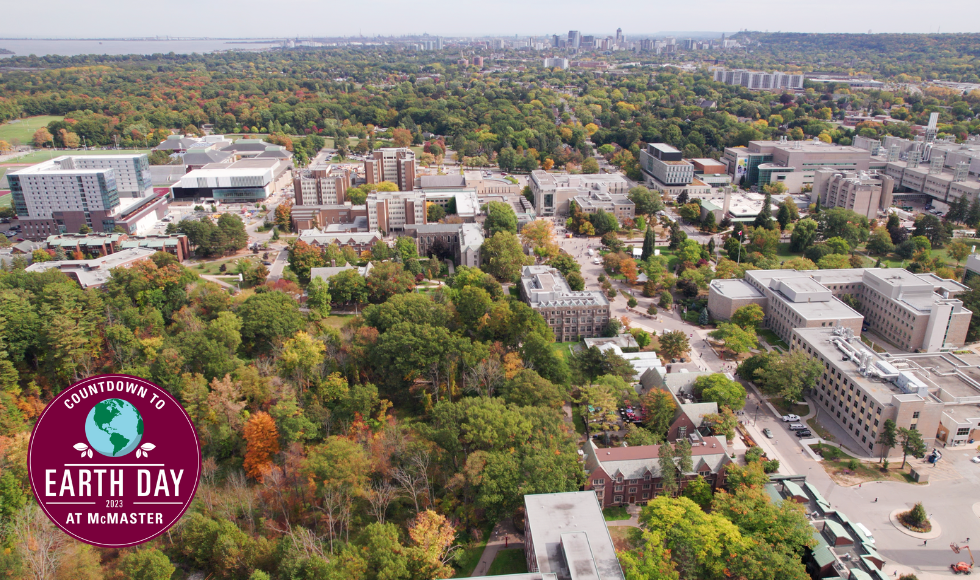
(503, 536)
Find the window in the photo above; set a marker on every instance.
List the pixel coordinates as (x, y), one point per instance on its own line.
(632, 490)
(963, 431)
(660, 486)
(915, 415)
(619, 479)
(618, 488)
(618, 499)
(598, 482)
(704, 473)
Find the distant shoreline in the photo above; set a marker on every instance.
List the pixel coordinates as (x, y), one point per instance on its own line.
(5, 51)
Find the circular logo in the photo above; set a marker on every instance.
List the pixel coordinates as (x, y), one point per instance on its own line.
(114, 461)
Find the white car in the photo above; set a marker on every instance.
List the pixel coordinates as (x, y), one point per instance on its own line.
(790, 418)
(976, 459)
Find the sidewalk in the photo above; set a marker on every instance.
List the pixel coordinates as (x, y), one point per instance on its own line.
(503, 536)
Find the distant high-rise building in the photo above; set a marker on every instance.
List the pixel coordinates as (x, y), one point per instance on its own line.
(478, 61)
(395, 164)
(438, 43)
(555, 41)
(588, 42)
(574, 39)
(620, 37)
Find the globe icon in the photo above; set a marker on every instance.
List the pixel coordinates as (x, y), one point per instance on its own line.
(114, 427)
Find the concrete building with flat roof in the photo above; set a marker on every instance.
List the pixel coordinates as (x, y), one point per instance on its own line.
(463, 202)
(915, 312)
(764, 162)
(864, 193)
(664, 168)
(758, 81)
(860, 388)
(392, 210)
(566, 535)
(246, 181)
(353, 218)
(553, 191)
(616, 204)
(321, 185)
(394, 164)
(572, 315)
(972, 270)
(96, 272)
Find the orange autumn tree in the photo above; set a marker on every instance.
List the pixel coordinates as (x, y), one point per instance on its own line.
(627, 268)
(433, 537)
(262, 442)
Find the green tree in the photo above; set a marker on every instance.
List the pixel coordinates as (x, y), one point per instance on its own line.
(646, 201)
(348, 287)
(503, 257)
(880, 242)
(267, 318)
(788, 213)
(649, 243)
(736, 338)
(146, 564)
(673, 344)
(699, 491)
(500, 218)
(803, 236)
(660, 410)
(764, 219)
(887, 438)
(787, 375)
(387, 279)
(748, 317)
(838, 246)
(603, 222)
(912, 444)
(590, 165)
(720, 389)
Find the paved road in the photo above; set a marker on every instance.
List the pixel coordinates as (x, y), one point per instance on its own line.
(503, 535)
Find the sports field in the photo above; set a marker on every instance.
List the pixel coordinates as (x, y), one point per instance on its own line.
(20, 131)
(45, 154)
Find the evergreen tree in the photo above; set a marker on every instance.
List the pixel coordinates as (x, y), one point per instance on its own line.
(764, 219)
(711, 246)
(973, 216)
(703, 318)
(649, 243)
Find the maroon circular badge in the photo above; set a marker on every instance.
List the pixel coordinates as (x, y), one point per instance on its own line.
(114, 461)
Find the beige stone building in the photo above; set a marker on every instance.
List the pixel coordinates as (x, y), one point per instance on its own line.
(571, 315)
(863, 193)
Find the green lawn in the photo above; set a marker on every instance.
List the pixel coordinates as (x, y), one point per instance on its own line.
(6, 200)
(21, 131)
(787, 408)
(214, 268)
(39, 156)
(509, 561)
(616, 513)
(773, 340)
(819, 429)
(577, 420)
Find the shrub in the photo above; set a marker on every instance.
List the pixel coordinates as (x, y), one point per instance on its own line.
(831, 453)
(771, 466)
(884, 465)
(601, 278)
(666, 299)
(631, 302)
(652, 310)
(853, 464)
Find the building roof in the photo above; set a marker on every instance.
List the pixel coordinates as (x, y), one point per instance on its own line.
(442, 181)
(736, 289)
(707, 453)
(205, 157)
(570, 537)
(545, 287)
(92, 273)
(323, 238)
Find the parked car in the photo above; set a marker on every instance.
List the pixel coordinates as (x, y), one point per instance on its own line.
(797, 427)
(976, 459)
(789, 418)
(767, 432)
(804, 433)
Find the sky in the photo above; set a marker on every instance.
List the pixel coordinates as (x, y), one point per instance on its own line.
(262, 18)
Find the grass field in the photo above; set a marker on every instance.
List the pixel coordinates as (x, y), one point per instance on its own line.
(39, 156)
(214, 268)
(510, 561)
(615, 513)
(773, 340)
(21, 131)
(6, 200)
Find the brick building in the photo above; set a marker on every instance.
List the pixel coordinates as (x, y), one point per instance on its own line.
(394, 164)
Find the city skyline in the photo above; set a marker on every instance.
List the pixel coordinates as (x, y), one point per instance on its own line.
(251, 19)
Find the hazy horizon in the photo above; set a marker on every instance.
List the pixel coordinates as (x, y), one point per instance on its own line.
(253, 19)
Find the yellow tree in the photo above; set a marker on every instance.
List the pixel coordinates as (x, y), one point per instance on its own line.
(540, 235)
(301, 356)
(42, 137)
(5, 147)
(261, 444)
(433, 538)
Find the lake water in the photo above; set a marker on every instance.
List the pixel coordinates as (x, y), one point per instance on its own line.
(22, 47)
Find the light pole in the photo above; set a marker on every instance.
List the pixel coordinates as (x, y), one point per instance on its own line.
(756, 420)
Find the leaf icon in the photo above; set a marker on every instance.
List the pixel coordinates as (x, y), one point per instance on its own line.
(148, 447)
(90, 454)
(138, 454)
(83, 454)
(80, 446)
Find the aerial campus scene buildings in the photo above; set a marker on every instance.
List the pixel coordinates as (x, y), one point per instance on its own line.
(589, 305)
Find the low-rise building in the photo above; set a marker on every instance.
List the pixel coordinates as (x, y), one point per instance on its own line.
(105, 244)
(794, 163)
(565, 535)
(757, 80)
(631, 475)
(972, 270)
(553, 191)
(360, 242)
(352, 218)
(96, 272)
(572, 315)
(461, 241)
(246, 181)
(616, 204)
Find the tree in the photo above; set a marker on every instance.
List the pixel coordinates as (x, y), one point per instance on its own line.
(720, 389)
(503, 256)
(348, 287)
(5, 147)
(838, 246)
(649, 243)
(401, 137)
(748, 317)
(68, 139)
(500, 218)
(932, 229)
(736, 338)
(433, 537)
(603, 222)
(887, 438)
(880, 242)
(42, 137)
(387, 279)
(788, 213)
(912, 444)
(540, 236)
(660, 409)
(959, 250)
(788, 375)
(803, 236)
(434, 212)
(590, 165)
(764, 219)
(834, 262)
(268, 317)
(646, 201)
(146, 564)
(673, 344)
(843, 223)
(627, 268)
(283, 216)
(666, 299)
